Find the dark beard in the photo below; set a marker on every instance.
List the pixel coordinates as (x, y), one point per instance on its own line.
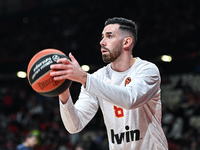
(106, 59)
(111, 57)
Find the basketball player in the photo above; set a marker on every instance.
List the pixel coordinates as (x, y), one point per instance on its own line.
(127, 90)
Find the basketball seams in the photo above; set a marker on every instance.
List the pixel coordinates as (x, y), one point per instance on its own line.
(40, 77)
(38, 60)
(40, 55)
(33, 62)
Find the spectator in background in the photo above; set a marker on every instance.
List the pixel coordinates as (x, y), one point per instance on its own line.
(29, 142)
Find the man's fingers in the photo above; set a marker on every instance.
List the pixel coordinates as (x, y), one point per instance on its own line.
(63, 60)
(58, 66)
(65, 69)
(73, 59)
(63, 77)
(59, 75)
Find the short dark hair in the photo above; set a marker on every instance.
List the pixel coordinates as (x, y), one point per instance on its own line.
(125, 24)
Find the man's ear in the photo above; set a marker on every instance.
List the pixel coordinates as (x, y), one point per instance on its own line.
(128, 41)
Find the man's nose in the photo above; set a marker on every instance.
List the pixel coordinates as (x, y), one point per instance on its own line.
(102, 42)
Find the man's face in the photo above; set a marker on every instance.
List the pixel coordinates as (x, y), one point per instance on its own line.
(32, 141)
(111, 43)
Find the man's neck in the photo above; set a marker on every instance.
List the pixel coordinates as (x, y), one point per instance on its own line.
(123, 65)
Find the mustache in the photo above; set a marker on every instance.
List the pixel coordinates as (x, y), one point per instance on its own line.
(102, 47)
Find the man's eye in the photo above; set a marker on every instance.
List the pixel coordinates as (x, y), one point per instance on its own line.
(110, 36)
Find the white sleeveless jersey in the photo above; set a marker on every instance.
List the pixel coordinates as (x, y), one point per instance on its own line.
(130, 103)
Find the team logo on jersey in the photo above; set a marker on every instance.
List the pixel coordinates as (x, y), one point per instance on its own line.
(119, 112)
(127, 81)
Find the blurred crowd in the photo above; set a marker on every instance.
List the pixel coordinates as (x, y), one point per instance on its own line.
(181, 115)
(24, 111)
(164, 27)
